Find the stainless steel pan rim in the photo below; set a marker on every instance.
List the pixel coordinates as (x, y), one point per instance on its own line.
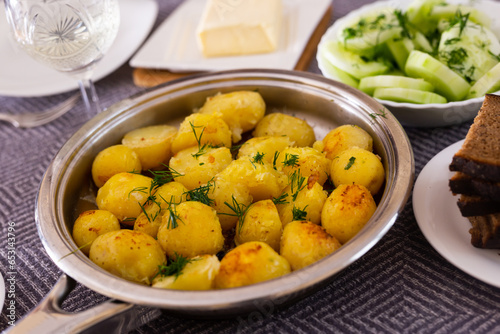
(53, 225)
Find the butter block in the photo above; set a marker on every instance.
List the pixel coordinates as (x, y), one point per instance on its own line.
(239, 27)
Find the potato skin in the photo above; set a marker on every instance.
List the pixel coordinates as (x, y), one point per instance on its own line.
(91, 224)
(279, 124)
(209, 129)
(113, 160)
(261, 223)
(356, 165)
(134, 256)
(241, 110)
(250, 263)
(345, 137)
(267, 145)
(346, 211)
(172, 192)
(153, 144)
(261, 179)
(198, 274)
(198, 231)
(310, 199)
(312, 163)
(123, 194)
(304, 243)
(199, 169)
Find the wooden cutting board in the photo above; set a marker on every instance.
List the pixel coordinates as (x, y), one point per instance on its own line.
(144, 77)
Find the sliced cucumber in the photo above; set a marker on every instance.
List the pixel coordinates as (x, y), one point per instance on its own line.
(350, 62)
(408, 95)
(448, 11)
(421, 42)
(400, 50)
(488, 83)
(337, 74)
(369, 84)
(445, 81)
(418, 14)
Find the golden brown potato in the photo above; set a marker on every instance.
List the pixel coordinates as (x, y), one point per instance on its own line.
(153, 144)
(261, 223)
(134, 256)
(150, 219)
(267, 146)
(278, 124)
(309, 200)
(313, 164)
(113, 160)
(356, 165)
(260, 178)
(241, 110)
(250, 263)
(224, 192)
(198, 274)
(199, 130)
(91, 224)
(123, 194)
(191, 229)
(346, 211)
(345, 137)
(199, 166)
(304, 243)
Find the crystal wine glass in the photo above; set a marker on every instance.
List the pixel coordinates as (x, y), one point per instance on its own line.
(70, 36)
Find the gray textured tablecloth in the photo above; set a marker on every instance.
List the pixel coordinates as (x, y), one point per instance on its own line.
(401, 285)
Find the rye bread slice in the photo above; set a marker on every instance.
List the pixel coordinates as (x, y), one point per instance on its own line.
(485, 231)
(477, 206)
(461, 183)
(479, 156)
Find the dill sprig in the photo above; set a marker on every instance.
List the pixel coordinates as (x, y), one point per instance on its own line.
(258, 158)
(382, 113)
(282, 199)
(275, 158)
(174, 268)
(299, 214)
(173, 217)
(200, 194)
(202, 149)
(291, 160)
(297, 183)
(403, 20)
(240, 210)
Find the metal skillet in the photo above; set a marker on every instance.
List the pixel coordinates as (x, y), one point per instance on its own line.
(324, 103)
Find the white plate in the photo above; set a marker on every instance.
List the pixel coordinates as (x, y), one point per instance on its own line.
(22, 76)
(421, 115)
(442, 224)
(173, 46)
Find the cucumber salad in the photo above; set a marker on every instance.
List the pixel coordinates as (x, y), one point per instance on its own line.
(432, 52)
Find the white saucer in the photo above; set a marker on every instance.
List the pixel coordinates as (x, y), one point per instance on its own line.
(444, 227)
(22, 76)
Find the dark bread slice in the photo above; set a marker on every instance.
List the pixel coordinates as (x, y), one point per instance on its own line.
(461, 183)
(477, 206)
(485, 231)
(479, 156)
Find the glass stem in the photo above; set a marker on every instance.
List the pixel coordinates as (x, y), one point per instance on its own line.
(89, 97)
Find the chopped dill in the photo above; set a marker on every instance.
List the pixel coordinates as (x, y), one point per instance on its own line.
(350, 163)
(258, 158)
(297, 183)
(382, 113)
(174, 268)
(291, 160)
(239, 209)
(200, 194)
(299, 214)
(282, 199)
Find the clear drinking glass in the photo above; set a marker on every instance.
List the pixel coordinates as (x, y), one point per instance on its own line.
(70, 36)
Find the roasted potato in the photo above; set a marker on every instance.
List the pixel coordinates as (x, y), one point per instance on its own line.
(304, 243)
(268, 146)
(153, 144)
(313, 164)
(241, 110)
(346, 211)
(123, 194)
(223, 192)
(345, 137)
(134, 256)
(150, 219)
(201, 130)
(261, 223)
(250, 263)
(356, 165)
(198, 274)
(113, 160)
(260, 178)
(199, 166)
(91, 224)
(190, 229)
(302, 204)
(279, 124)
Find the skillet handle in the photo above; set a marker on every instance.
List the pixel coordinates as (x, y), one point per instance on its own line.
(109, 317)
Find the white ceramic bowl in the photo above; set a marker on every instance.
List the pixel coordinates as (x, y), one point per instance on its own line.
(421, 115)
